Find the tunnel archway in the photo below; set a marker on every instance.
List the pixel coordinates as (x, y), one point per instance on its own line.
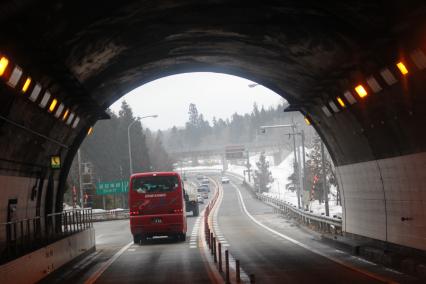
(311, 54)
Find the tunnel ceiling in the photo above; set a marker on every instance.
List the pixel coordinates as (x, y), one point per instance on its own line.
(300, 49)
(93, 52)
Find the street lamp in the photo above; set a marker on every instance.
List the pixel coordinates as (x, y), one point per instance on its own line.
(128, 138)
(297, 161)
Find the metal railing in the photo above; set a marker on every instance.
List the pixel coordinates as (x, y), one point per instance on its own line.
(318, 222)
(110, 215)
(26, 235)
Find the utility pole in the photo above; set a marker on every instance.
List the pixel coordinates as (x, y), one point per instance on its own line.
(303, 160)
(122, 180)
(295, 152)
(248, 166)
(80, 179)
(293, 127)
(324, 180)
(103, 196)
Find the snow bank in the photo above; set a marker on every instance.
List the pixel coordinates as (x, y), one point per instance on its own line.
(278, 190)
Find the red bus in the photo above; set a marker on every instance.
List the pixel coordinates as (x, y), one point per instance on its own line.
(157, 206)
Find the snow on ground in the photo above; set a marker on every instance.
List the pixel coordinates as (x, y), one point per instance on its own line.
(278, 190)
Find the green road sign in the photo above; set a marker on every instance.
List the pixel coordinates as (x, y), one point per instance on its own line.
(112, 187)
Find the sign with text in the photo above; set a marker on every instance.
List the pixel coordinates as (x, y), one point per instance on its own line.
(234, 152)
(112, 187)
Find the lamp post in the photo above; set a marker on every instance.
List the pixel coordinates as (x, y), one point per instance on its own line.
(128, 139)
(294, 133)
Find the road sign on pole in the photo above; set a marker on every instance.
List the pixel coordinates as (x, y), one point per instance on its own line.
(112, 187)
(234, 152)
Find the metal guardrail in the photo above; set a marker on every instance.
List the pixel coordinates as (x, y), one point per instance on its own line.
(26, 235)
(320, 222)
(111, 215)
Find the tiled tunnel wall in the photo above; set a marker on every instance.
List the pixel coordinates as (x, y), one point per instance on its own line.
(378, 194)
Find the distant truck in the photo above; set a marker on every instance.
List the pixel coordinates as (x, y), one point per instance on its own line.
(191, 200)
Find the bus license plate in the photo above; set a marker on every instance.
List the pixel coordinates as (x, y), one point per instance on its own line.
(156, 220)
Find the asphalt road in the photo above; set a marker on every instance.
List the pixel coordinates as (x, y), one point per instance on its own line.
(269, 246)
(159, 260)
(289, 254)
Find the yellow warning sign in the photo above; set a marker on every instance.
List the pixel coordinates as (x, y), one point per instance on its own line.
(55, 162)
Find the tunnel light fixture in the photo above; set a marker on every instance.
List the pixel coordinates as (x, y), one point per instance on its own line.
(341, 102)
(90, 131)
(402, 68)
(419, 58)
(67, 112)
(26, 85)
(15, 76)
(3, 65)
(348, 96)
(35, 93)
(307, 121)
(59, 110)
(388, 76)
(333, 106)
(326, 111)
(45, 99)
(70, 118)
(373, 84)
(53, 105)
(360, 90)
(76, 121)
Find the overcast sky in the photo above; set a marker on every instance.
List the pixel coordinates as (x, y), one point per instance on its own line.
(214, 94)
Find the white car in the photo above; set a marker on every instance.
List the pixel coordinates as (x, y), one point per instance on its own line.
(200, 199)
(225, 180)
(205, 195)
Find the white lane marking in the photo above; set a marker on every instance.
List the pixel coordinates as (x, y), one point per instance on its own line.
(104, 267)
(131, 249)
(374, 276)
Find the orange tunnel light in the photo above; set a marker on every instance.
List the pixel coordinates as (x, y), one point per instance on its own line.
(26, 85)
(3, 65)
(402, 68)
(90, 131)
(67, 112)
(341, 102)
(53, 105)
(360, 90)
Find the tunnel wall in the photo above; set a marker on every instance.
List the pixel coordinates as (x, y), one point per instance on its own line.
(38, 264)
(20, 188)
(378, 194)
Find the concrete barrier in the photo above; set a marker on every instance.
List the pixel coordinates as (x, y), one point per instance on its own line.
(36, 265)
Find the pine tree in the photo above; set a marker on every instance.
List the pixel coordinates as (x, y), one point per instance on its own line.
(262, 176)
(314, 181)
(293, 178)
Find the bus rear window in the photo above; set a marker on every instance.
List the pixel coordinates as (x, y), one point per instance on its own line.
(154, 184)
